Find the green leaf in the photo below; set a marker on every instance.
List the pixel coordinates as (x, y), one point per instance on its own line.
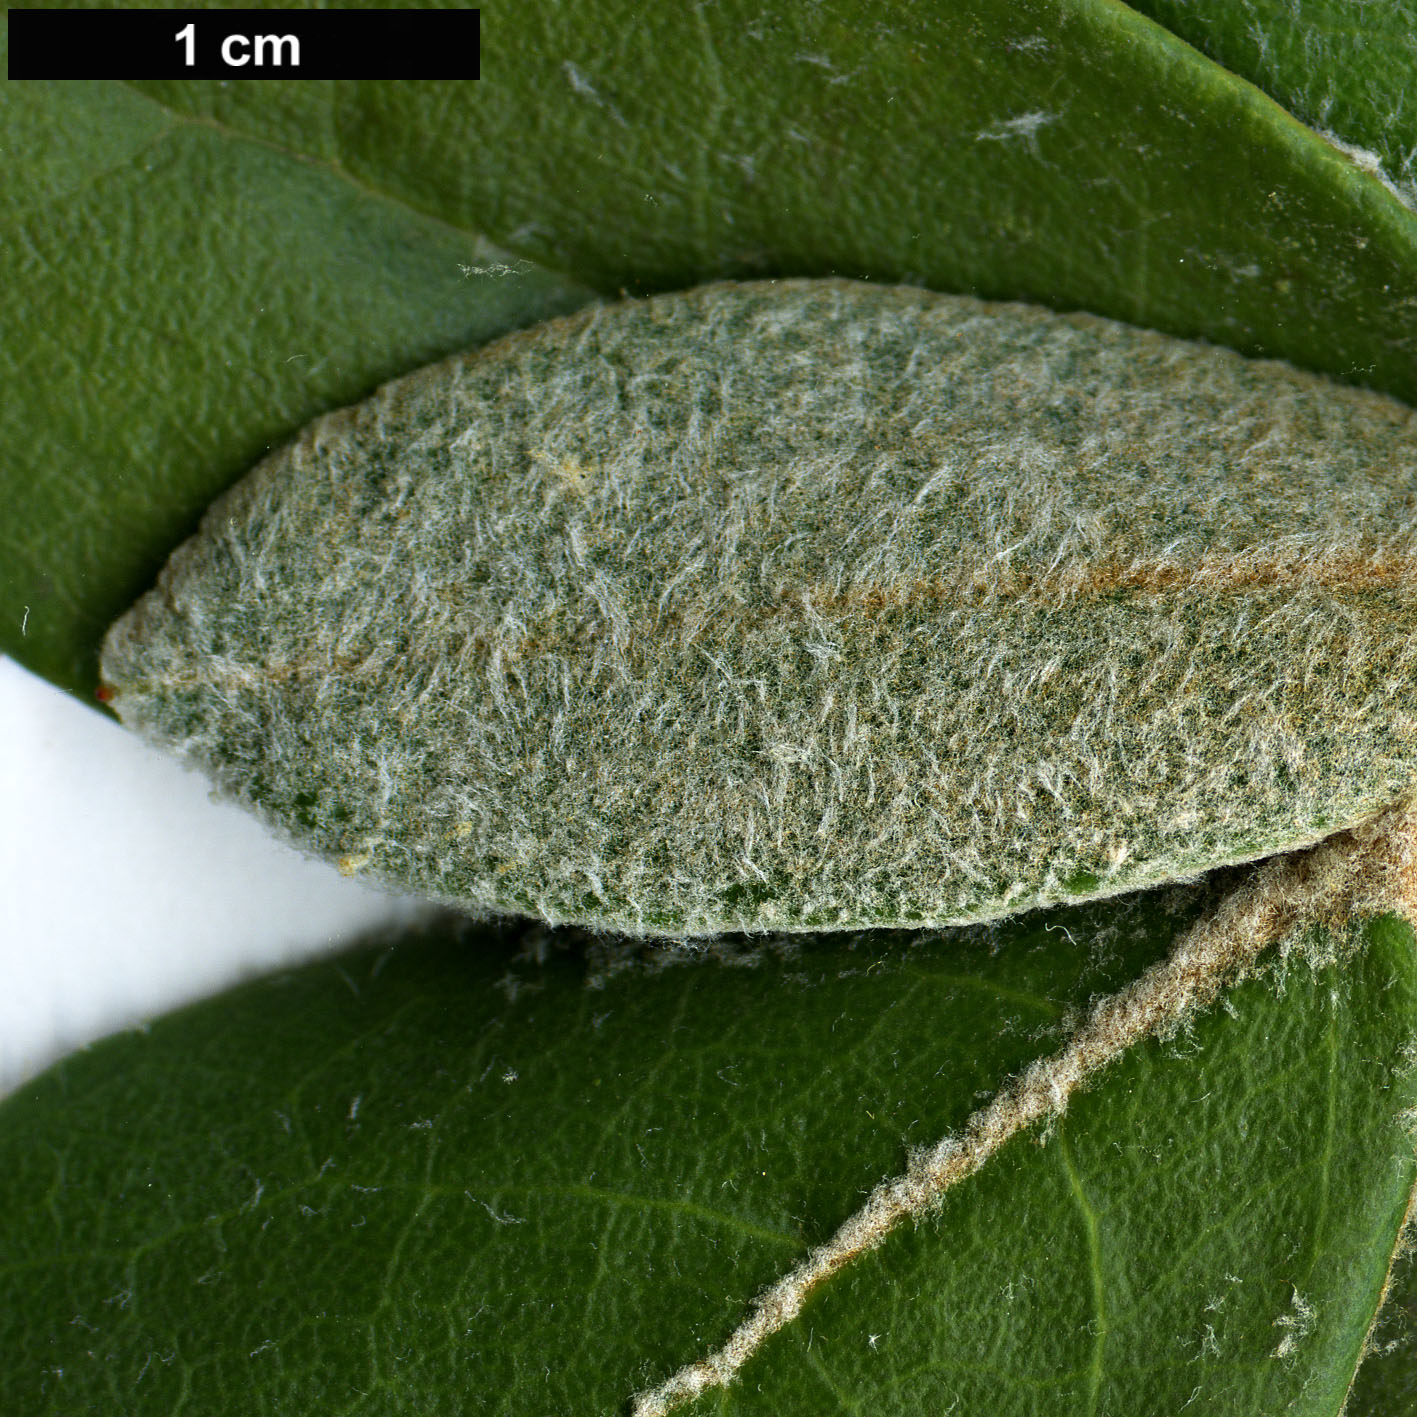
(668, 618)
(180, 299)
(1345, 70)
(1387, 1382)
(482, 1165)
(192, 270)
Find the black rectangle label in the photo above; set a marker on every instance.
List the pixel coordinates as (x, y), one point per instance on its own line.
(244, 44)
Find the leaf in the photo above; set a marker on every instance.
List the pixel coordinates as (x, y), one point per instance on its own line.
(194, 270)
(180, 298)
(1344, 70)
(487, 1164)
(802, 604)
(1387, 1381)
(1069, 152)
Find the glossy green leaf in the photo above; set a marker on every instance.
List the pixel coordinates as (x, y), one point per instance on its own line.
(445, 1178)
(476, 1169)
(192, 269)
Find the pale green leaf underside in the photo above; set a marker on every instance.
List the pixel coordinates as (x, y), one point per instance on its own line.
(442, 1169)
(790, 605)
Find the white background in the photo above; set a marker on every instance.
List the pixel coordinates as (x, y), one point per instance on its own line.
(126, 890)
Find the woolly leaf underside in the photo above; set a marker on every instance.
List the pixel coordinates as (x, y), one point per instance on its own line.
(194, 270)
(515, 1169)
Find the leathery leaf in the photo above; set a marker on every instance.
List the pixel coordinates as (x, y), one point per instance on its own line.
(540, 1178)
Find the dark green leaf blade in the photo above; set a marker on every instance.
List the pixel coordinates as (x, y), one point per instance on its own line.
(1198, 1234)
(1346, 70)
(1074, 154)
(1386, 1384)
(436, 1172)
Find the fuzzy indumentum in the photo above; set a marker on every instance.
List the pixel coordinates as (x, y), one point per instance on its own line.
(803, 605)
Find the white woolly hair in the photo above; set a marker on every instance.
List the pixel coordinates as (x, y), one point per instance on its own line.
(802, 605)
